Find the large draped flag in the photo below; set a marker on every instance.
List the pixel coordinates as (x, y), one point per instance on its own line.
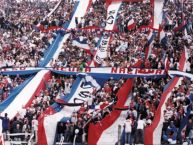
(81, 91)
(153, 132)
(102, 50)
(98, 136)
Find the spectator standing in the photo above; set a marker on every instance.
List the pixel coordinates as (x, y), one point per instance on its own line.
(35, 127)
(17, 129)
(128, 127)
(5, 123)
(67, 132)
(140, 130)
(60, 130)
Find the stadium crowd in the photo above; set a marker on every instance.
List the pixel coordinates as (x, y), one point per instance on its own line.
(130, 47)
(26, 119)
(7, 85)
(99, 104)
(143, 105)
(23, 45)
(139, 14)
(178, 116)
(73, 56)
(96, 15)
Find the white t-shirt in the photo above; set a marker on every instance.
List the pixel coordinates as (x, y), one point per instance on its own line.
(35, 124)
(90, 100)
(128, 123)
(188, 66)
(22, 112)
(141, 124)
(168, 114)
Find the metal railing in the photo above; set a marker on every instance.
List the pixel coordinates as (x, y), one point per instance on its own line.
(16, 138)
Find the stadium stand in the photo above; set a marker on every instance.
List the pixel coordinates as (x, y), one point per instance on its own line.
(93, 72)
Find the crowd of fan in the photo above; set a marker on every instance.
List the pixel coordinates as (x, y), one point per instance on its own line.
(73, 56)
(7, 85)
(143, 105)
(62, 15)
(128, 49)
(125, 49)
(178, 116)
(175, 14)
(26, 119)
(97, 107)
(96, 15)
(22, 45)
(140, 13)
(119, 52)
(171, 47)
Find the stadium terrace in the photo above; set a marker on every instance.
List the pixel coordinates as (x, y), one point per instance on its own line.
(96, 72)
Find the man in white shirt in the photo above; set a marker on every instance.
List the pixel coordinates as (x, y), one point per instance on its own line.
(128, 129)
(168, 113)
(140, 131)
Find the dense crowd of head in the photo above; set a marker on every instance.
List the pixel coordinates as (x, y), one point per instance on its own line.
(22, 45)
(26, 120)
(178, 116)
(99, 105)
(129, 47)
(25, 37)
(139, 13)
(8, 84)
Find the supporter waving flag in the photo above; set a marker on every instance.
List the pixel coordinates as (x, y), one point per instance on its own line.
(131, 24)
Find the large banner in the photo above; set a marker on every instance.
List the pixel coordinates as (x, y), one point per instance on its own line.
(107, 71)
(101, 52)
(81, 94)
(14, 104)
(153, 132)
(110, 25)
(93, 136)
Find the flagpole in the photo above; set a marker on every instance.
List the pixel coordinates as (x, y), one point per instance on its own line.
(182, 9)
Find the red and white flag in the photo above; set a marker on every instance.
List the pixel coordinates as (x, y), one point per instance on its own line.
(131, 24)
